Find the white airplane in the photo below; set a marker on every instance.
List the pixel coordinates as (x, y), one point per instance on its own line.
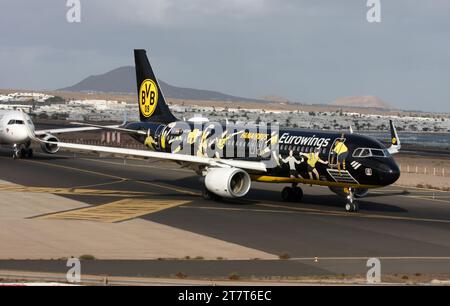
(16, 128)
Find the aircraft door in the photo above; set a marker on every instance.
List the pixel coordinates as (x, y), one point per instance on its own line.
(253, 149)
(332, 157)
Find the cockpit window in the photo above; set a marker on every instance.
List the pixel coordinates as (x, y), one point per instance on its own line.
(12, 121)
(361, 152)
(377, 152)
(368, 152)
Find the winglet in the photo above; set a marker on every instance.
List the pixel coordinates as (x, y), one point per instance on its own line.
(125, 120)
(395, 141)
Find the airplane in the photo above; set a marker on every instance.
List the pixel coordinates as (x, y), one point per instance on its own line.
(349, 164)
(15, 127)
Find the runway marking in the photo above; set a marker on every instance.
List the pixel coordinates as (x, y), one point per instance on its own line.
(100, 184)
(379, 257)
(116, 211)
(431, 197)
(414, 190)
(73, 191)
(360, 215)
(422, 194)
(153, 184)
(115, 177)
(419, 188)
(293, 210)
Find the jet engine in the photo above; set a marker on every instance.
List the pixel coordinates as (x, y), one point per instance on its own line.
(228, 182)
(50, 148)
(359, 192)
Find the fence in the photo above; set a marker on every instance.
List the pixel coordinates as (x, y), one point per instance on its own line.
(434, 171)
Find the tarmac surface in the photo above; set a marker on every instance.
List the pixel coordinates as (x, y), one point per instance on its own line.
(408, 229)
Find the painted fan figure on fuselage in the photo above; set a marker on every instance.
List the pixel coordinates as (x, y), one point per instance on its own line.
(292, 161)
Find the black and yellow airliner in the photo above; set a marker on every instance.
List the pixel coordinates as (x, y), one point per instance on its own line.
(230, 157)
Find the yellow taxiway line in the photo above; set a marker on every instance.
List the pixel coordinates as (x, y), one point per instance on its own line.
(73, 191)
(118, 211)
(177, 189)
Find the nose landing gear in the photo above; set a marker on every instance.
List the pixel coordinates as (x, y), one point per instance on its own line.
(351, 205)
(292, 194)
(21, 151)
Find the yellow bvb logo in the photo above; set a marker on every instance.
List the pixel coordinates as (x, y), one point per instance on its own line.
(394, 141)
(148, 97)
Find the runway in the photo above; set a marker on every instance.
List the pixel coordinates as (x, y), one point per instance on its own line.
(407, 228)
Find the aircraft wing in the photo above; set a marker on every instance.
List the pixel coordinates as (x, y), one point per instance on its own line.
(111, 127)
(67, 130)
(214, 162)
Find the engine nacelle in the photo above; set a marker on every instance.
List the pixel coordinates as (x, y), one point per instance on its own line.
(359, 192)
(50, 148)
(228, 182)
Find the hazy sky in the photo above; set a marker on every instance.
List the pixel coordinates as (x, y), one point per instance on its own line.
(306, 50)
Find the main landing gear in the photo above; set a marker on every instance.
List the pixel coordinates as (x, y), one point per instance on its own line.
(292, 194)
(21, 151)
(210, 196)
(351, 205)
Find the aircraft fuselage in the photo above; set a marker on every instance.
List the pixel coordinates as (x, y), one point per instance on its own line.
(297, 156)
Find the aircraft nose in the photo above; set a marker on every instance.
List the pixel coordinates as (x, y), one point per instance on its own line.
(20, 134)
(393, 173)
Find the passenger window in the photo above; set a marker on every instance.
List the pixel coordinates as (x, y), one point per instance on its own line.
(11, 122)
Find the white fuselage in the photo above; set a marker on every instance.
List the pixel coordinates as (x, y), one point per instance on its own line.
(14, 126)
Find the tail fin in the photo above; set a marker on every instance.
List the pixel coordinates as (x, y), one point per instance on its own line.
(395, 141)
(152, 105)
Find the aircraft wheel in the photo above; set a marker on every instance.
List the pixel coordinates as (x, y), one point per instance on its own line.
(286, 194)
(210, 196)
(18, 154)
(348, 207)
(29, 153)
(351, 207)
(297, 194)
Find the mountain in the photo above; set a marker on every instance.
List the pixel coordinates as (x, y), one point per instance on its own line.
(362, 101)
(275, 98)
(123, 80)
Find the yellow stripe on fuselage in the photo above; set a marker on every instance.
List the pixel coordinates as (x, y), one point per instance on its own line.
(279, 179)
